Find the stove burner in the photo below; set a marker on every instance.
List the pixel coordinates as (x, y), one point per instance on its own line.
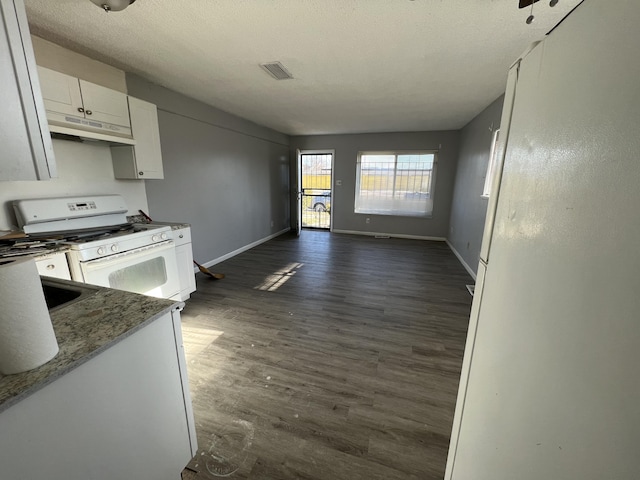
(87, 244)
(93, 234)
(78, 236)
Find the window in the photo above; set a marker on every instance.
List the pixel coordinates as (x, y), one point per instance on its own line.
(493, 161)
(395, 183)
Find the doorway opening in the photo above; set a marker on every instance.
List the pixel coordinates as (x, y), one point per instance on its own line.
(315, 206)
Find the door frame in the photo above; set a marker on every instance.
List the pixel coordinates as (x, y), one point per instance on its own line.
(312, 151)
(298, 192)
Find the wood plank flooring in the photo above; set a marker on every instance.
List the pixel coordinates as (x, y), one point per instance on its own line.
(327, 357)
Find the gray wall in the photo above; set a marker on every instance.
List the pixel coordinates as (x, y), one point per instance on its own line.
(226, 176)
(347, 148)
(469, 208)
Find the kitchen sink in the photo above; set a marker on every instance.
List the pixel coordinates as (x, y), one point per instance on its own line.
(58, 294)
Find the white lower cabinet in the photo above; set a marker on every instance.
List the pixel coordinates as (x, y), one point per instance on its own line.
(125, 413)
(184, 254)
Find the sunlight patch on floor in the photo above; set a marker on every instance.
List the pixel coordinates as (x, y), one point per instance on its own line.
(197, 339)
(274, 281)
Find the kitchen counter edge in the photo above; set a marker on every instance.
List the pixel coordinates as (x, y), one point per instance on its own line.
(84, 329)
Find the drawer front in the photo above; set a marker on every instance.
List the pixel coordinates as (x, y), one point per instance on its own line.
(54, 265)
(182, 236)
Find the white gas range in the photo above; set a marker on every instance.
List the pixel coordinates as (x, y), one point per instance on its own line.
(104, 249)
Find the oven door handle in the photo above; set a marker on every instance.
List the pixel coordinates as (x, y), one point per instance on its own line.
(156, 247)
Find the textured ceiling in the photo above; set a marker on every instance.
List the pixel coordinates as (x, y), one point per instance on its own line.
(359, 65)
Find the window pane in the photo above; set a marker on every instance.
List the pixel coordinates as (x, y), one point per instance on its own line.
(395, 184)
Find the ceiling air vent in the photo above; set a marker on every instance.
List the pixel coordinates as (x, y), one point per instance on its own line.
(276, 70)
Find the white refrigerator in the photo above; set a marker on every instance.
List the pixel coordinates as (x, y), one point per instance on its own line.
(550, 385)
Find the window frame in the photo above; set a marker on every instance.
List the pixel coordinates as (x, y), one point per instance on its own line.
(396, 154)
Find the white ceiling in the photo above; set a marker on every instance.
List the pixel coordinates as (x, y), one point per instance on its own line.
(359, 65)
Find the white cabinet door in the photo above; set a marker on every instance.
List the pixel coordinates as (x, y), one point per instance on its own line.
(146, 131)
(184, 256)
(125, 413)
(144, 159)
(66, 95)
(104, 105)
(27, 151)
(61, 93)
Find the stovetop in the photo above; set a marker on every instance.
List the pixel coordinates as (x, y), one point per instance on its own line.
(109, 234)
(85, 248)
(28, 248)
(117, 238)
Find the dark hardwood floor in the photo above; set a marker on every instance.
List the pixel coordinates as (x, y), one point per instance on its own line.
(327, 357)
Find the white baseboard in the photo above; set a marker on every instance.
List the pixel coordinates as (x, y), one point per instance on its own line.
(464, 264)
(391, 235)
(242, 249)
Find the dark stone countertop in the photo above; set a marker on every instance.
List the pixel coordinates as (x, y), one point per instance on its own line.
(174, 226)
(36, 252)
(84, 328)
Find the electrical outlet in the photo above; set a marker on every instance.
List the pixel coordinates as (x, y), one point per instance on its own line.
(368, 220)
(272, 223)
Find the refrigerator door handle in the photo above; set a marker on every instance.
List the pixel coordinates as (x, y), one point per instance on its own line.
(503, 140)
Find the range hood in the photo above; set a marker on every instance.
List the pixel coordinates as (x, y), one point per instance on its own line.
(62, 132)
(78, 109)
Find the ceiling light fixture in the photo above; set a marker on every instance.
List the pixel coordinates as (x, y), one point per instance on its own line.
(531, 18)
(526, 3)
(112, 5)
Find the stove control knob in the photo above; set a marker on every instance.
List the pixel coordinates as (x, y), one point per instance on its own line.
(100, 251)
(155, 238)
(163, 236)
(114, 248)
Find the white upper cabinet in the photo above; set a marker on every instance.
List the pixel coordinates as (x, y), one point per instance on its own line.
(74, 106)
(66, 96)
(61, 93)
(144, 159)
(105, 105)
(27, 151)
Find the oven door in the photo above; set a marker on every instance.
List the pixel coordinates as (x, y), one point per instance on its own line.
(150, 270)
